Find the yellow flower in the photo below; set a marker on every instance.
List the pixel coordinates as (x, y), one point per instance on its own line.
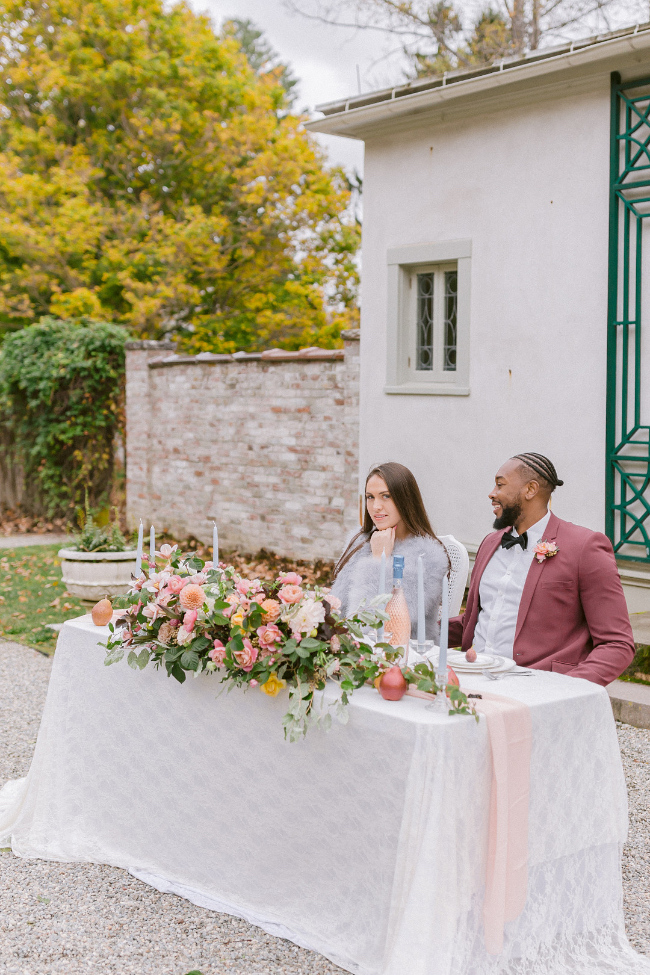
(273, 686)
(237, 618)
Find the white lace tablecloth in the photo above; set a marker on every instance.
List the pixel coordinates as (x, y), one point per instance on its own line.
(367, 843)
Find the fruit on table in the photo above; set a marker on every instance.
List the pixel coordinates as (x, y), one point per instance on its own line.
(470, 656)
(102, 612)
(452, 678)
(392, 685)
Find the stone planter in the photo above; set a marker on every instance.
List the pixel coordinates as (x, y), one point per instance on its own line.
(92, 575)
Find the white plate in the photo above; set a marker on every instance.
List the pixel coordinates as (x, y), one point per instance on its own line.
(484, 661)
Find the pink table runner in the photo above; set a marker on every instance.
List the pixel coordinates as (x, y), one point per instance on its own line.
(506, 885)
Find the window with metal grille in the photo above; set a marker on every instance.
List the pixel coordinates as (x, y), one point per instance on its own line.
(451, 321)
(435, 311)
(424, 351)
(428, 318)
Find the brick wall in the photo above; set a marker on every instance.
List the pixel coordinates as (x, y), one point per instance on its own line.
(264, 444)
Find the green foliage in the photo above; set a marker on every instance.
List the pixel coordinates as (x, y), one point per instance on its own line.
(260, 55)
(151, 174)
(61, 405)
(639, 669)
(94, 538)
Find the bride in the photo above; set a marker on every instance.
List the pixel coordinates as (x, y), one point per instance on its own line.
(395, 522)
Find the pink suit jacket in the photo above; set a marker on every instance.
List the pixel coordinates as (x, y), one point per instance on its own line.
(573, 618)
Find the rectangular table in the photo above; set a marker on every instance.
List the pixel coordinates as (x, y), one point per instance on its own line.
(367, 843)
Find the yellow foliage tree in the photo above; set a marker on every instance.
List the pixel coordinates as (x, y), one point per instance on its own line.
(150, 175)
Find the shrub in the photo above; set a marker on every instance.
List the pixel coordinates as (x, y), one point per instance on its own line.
(61, 406)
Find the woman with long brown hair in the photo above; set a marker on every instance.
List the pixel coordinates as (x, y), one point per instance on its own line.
(395, 522)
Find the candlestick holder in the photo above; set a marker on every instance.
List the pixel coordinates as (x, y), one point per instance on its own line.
(441, 703)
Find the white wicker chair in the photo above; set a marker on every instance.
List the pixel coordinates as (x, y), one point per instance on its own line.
(459, 570)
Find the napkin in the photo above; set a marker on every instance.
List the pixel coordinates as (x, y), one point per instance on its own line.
(506, 884)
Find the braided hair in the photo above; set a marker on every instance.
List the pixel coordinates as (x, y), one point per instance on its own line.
(542, 468)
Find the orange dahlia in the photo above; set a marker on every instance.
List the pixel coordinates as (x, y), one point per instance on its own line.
(192, 597)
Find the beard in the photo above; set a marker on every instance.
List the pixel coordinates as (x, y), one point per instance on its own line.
(509, 516)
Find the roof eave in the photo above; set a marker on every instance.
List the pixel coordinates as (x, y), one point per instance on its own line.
(394, 103)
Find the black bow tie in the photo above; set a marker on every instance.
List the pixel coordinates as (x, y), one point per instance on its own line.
(508, 540)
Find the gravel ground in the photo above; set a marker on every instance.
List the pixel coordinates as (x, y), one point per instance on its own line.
(86, 918)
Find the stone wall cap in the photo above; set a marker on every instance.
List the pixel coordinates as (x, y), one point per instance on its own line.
(203, 358)
(281, 355)
(351, 334)
(134, 344)
(270, 355)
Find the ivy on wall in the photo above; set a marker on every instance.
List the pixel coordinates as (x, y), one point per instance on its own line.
(61, 406)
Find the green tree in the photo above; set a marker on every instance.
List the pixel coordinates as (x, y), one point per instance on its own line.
(150, 175)
(262, 58)
(61, 406)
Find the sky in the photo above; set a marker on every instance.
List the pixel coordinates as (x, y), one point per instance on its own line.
(323, 58)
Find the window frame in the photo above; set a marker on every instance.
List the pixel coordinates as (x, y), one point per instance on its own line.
(404, 264)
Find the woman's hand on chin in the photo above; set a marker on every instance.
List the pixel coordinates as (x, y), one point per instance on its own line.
(382, 541)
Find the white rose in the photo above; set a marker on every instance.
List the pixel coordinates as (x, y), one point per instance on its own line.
(183, 637)
(310, 613)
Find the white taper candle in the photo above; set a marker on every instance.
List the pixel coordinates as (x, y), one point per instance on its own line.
(444, 629)
(215, 545)
(422, 634)
(382, 590)
(138, 559)
(152, 550)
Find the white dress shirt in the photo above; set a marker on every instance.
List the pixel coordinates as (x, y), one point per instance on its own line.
(500, 589)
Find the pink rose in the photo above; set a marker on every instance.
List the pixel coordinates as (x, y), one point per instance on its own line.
(268, 635)
(247, 656)
(208, 565)
(334, 602)
(218, 653)
(290, 579)
(243, 586)
(291, 593)
(166, 551)
(253, 683)
(190, 619)
(234, 601)
(175, 584)
(335, 644)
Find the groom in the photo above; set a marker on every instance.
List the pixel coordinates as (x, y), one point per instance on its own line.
(544, 591)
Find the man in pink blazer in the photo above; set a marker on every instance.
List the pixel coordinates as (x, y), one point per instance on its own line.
(544, 591)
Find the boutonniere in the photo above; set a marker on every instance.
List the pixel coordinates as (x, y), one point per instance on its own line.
(544, 550)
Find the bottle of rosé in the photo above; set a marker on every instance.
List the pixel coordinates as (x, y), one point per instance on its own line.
(397, 629)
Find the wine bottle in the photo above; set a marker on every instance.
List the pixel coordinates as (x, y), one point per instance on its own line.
(397, 629)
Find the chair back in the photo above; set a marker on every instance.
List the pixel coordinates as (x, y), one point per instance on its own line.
(459, 559)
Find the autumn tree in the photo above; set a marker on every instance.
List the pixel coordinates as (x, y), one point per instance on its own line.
(446, 35)
(152, 174)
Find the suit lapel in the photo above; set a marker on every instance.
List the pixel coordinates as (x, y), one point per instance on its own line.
(534, 574)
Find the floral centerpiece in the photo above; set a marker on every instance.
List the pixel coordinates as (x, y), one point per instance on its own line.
(190, 616)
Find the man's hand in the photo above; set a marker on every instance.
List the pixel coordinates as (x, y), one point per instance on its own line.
(382, 541)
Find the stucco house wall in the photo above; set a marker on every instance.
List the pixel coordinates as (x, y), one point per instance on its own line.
(528, 185)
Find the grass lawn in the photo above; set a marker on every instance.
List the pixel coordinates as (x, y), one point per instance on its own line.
(34, 595)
